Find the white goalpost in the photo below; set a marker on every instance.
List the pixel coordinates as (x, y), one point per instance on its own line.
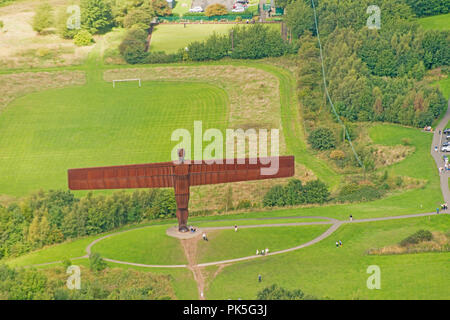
(126, 80)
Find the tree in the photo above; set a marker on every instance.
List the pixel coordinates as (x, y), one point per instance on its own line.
(138, 17)
(322, 139)
(161, 8)
(299, 17)
(215, 9)
(43, 17)
(83, 38)
(96, 16)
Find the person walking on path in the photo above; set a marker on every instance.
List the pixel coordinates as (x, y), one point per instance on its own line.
(351, 218)
(435, 148)
(235, 228)
(437, 210)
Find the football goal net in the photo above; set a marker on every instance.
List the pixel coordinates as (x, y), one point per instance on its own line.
(126, 80)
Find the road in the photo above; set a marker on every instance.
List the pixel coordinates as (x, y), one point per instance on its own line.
(438, 155)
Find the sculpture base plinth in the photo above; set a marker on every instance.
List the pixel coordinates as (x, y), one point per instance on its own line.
(174, 232)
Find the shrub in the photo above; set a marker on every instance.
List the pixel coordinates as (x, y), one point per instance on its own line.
(43, 17)
(322, 139)
(275, 292)
(417, 237)
(238, 19)
(216, 9)
(214, 48)
(133, 46)
(83, 38)
(96, 262)
(353, 192)
(294, 193)
(162, 57)
(1, 24)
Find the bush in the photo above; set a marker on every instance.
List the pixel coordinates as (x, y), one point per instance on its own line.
(83, 38)
(417, 237)
(294, 193)
(1, 24)
(275, 292)
(133, 46)
(322, 139)
(162, 57)
(353, 192)
(216, 9)
(96, 262)
(214, 48)
(43, 17)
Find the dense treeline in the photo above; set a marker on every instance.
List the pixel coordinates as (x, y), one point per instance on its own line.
(429, 7)
(295, 193)
(372, 75)
(243, 42)
(54, 216)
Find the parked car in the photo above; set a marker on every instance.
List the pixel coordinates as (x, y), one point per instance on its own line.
(445, 149)
(196, 9)
(446, 131)
(445, 144)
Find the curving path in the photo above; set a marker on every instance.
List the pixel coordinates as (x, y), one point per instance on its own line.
(335, 224)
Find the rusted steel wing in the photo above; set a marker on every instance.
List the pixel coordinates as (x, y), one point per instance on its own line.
(161, 175)
(201, 174)
(153, 175)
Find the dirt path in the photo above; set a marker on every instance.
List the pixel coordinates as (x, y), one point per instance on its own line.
(190, 250)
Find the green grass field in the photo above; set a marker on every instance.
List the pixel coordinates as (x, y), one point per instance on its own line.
(172, 37)
(148, 246)
(444, 85)
(340, 273)
(96, 125)
(439, 22)
(228, 244)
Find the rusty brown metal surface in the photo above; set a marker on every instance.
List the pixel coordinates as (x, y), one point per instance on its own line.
(179, 176)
